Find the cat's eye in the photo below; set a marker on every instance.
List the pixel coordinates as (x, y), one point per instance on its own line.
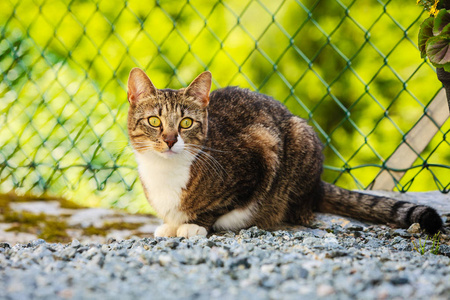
(154, 121)
(186, 123)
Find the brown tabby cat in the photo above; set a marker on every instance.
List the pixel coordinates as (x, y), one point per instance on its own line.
(235, 158)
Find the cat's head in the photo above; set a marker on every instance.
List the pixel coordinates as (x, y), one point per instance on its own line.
(167, 122)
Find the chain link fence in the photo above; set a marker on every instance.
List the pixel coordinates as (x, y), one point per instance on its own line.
(352, 68)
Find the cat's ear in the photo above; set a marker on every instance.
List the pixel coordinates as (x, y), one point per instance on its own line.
(199, 89)
(139, 86)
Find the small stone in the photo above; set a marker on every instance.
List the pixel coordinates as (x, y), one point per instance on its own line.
(82, 249)
(111, 240)
(401, 232)
(292, 271)
(75, 244)
(89, 254)
(444, 250)
(37, 242)
(165, 260)
(229, 234)
(399, 280)
(5, 245)
(355, 228)
(336, 253)
(97, 260)
(68, 253)
(209, 244)
(403, 246)
(357, 234)
(414, 228)
(172, 244)
(325, 290)
(374, 243)
(215, 259)
(240, 263)
(396, 240)
(267, 268)
(271, 282)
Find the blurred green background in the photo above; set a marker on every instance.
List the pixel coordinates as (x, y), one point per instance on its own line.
(352, 68)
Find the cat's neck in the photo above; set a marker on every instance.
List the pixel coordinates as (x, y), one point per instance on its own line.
(164, 178)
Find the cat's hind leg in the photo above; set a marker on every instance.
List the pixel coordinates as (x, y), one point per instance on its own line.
(302, 169)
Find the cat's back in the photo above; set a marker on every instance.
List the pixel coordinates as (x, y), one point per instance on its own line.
(232, 109)
(241, 101)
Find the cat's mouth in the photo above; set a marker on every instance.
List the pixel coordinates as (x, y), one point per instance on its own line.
(168, 153)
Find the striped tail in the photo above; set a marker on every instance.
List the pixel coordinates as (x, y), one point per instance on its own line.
(378, 209)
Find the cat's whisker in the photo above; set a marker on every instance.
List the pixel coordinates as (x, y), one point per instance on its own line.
(143, 148)
(197, 161)
(207, 157)
(213, 160)
(210, 161)
(204, 165)
(210, 157)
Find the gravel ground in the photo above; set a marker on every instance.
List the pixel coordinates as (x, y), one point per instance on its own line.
(373, 262)
(335, 258)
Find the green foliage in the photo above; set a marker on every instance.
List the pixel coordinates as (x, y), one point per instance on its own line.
(426, 32)
(434, 39)
(421, 246)
(432, 6)
(436, 244)
(350, 68)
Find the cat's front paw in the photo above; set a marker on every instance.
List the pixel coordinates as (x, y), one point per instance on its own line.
(165, 230)
(188, 230)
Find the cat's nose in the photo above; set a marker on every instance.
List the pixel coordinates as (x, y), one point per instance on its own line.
(170, 140)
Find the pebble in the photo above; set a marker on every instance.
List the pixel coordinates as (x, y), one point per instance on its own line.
(5, 245)
(401, 232)
(75, 244)
(414, 228)
(378, 262)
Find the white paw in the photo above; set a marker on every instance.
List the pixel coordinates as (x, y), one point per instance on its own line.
(165, 230)
(188, 230)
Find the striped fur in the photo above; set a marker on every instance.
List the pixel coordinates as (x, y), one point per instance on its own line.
(378, 209)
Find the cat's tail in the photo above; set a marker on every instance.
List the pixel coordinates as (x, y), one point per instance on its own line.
(378, 209)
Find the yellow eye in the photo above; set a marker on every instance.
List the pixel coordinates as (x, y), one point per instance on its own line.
(154, 121)
(186, 123)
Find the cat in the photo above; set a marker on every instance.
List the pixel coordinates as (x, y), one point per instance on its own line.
(233, 158)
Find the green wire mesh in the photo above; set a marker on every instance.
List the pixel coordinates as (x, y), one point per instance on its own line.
(352, 68)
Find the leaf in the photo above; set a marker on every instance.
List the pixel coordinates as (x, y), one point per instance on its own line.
(438, 49)
(447, 67)
(426, 31)
(442, 19)
(446, 30)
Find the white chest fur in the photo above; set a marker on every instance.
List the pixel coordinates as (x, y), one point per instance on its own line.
(164, 179)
